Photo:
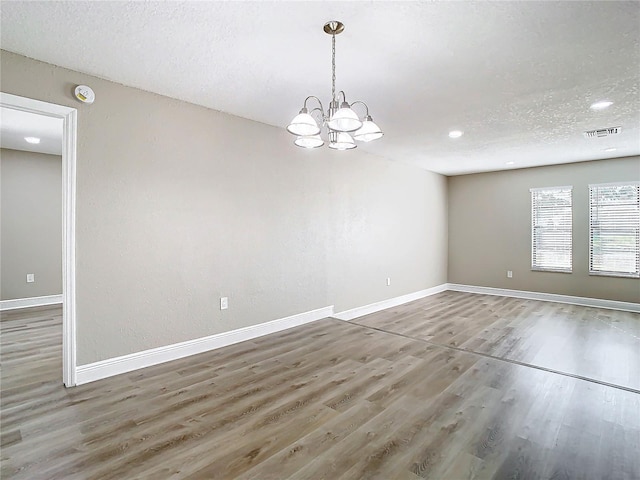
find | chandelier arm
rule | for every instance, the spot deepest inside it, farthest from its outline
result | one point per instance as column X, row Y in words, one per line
column 318, row 109
column 362, row 103
column 313, row 96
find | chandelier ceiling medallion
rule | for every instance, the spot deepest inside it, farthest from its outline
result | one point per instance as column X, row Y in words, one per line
column 342, row 124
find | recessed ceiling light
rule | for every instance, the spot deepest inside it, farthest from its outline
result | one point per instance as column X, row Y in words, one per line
column 610, row 149
column 510, row 163
column 455, row 134
column 32, row 139
column 601, row 105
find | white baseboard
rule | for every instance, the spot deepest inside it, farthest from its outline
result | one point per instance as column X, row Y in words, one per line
column 127, row 363
column 30, row 302
column 392, row 302
column 548, row 297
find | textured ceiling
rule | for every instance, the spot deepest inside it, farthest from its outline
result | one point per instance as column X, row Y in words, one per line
column 516, row 77
column 15, row 125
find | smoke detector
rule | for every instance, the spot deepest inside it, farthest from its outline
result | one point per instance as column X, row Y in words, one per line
column 603, row 132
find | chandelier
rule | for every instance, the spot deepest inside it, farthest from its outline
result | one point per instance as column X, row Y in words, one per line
column 343, row 125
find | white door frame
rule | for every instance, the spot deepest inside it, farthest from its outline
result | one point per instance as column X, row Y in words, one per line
column 69, row 132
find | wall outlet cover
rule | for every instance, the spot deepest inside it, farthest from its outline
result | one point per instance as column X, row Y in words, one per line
column 224, row 303
column 31, row 277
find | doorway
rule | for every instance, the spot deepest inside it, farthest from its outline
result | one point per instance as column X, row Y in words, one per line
column 69, row 132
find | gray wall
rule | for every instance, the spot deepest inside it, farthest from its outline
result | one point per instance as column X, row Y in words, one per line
column 31, row 224
column 178, row 205
column 490, row 229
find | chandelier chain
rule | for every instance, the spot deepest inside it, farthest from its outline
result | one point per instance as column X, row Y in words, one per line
column 333, row 66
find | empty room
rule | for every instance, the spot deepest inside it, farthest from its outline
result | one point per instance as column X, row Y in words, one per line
column 320, row 240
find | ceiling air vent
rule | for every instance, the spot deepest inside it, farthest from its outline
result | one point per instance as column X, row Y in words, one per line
column 602, row 132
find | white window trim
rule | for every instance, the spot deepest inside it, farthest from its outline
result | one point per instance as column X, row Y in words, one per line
column 604, row 273
column 559, row 187
column 535, row 268
column 614, row 184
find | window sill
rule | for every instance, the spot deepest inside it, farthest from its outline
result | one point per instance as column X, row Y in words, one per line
column 550, row 270
column 614, row 274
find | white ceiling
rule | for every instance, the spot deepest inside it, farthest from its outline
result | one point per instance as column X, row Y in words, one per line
column 15, row 125
column 517, row 77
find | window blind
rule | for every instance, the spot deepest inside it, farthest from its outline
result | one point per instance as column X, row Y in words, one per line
column 551, row 229
column 614, row 229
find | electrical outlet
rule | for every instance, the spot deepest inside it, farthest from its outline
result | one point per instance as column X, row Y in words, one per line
column 31, row 277
column 224, row 303
column 509, row 274
column 388, row 281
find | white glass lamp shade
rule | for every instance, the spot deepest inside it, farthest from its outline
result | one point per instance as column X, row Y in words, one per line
column 342, row 141
column 311, row 141
column 344, row 120
column 303, row 125
column 368, row 131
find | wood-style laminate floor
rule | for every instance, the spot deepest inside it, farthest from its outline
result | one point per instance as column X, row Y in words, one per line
column 400, row 394
column 593, row 343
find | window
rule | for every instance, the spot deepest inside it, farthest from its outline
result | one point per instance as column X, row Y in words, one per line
column 614, row 229
column 551, row 226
